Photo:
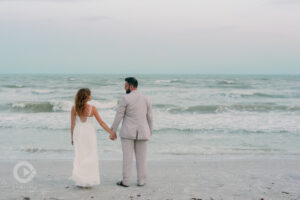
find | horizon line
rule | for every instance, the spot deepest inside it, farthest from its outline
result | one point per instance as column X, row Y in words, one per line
column 257, row 74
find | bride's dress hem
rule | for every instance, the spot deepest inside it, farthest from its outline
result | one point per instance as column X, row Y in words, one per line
column 80, row 182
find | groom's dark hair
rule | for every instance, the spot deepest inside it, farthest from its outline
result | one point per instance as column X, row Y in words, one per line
column 132, row 81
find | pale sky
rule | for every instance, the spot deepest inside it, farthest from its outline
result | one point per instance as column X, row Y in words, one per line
column 150, row 36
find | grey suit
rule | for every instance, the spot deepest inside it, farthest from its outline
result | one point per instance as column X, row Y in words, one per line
column 135, row 110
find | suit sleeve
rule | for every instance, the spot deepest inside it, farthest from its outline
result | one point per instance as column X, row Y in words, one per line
column 149, row 115
column 119, row 114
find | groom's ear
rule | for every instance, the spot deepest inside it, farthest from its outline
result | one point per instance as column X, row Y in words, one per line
column 131, row 87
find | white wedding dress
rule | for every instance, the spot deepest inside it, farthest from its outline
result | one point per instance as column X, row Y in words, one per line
column 85, row 164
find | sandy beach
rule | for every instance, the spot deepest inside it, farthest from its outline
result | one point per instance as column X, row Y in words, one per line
column 202, row 178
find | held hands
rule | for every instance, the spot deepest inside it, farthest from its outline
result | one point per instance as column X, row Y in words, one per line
column 113, row 136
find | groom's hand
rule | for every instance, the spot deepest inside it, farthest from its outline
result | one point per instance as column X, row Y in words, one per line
column 113, row 136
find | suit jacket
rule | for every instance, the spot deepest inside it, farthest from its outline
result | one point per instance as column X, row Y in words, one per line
column 135, row 110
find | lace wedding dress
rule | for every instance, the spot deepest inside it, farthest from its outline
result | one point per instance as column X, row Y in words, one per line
column 85, row 164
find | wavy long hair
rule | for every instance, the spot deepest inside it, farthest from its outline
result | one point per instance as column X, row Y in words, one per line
column 81, row 99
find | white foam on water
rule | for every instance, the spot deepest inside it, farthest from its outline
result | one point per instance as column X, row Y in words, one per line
column 42, row 91
column 163, row 81
column 18, row 105
column 61, row 105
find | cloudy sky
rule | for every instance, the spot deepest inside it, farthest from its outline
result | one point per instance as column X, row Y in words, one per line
column 150, row 36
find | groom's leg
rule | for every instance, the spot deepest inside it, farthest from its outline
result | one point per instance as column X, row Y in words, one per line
column 127, row 148
column 140, row 147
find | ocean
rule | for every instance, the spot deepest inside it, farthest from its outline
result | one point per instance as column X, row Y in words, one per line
column 194, row 115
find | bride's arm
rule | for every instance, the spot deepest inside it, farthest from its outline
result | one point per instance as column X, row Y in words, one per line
column 73, row 122
column 103, row 124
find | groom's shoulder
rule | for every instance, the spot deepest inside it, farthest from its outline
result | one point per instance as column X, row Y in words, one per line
column 145, row 97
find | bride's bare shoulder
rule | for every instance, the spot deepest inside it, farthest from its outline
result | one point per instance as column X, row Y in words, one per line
column 94, row 110
column 91, row 108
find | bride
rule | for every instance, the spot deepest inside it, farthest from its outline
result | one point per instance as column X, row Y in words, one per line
column 85, row 164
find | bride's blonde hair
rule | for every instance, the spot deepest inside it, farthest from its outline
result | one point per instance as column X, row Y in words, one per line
column 81, row 99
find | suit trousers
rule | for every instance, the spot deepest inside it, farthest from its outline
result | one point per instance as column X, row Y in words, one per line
column 140, row 148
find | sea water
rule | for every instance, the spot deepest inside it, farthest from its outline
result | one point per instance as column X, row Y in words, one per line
column 194, row 115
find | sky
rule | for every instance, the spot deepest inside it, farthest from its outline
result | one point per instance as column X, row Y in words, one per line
column 150, row 36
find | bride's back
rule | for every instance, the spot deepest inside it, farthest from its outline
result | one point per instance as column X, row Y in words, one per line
column 86, row 116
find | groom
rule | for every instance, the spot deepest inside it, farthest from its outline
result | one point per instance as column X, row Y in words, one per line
column 135, row 110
